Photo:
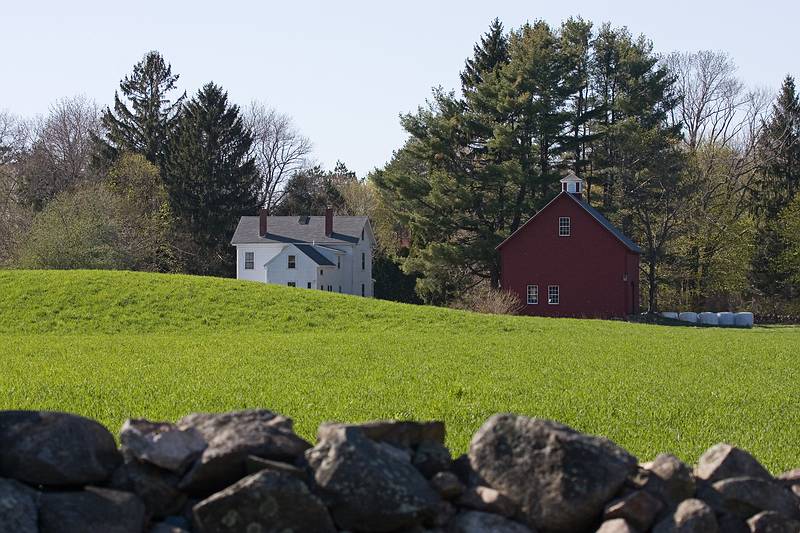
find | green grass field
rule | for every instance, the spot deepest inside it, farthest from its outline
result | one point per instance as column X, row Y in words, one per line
column 113, row 345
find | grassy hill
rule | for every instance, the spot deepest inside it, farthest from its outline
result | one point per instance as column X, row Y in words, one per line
column 113, row 345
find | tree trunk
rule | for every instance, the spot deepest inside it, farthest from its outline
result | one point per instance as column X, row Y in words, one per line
column 652, row 289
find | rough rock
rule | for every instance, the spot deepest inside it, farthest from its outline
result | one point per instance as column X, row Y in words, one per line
column 639, row 508
column 691, row 516
column 462, row 468
column 616, row 525
column 723, row 461
column 264, row 502
column 672, row 479
column 729, row 523
column 444, row 512
column 369, row 488
column 404, row 434
column 487, row 500
column 447, row 485
column 161, row 444
column 59, row 449
column 17, row 507
column 560, row 479
column 772, row 522
column 478, row 522
column 255, row 464
column 92, row 509
column 170, row 526
column 431, row 457
column 791, row 477
column 746, row 496
column 231, row 438
column 157, row 488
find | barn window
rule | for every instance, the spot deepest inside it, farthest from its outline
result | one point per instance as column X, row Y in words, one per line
column 363, row 260
column 553, row 295
column 563, row 226
column 292, row 284
column 340, row 289
column 338, row 261
column 292, row 261
column 533, row 294
column 249, row 259
column 362, row 289
column 309, row 285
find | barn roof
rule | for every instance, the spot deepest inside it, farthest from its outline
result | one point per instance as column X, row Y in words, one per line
column 597, row 215
column 300, row 229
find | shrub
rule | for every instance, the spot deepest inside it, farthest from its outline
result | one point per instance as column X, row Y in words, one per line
column 482, row 299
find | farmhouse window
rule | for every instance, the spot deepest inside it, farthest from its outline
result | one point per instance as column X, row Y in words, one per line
column 321, row 272
column 292, row 284
column 553, row 295
column 362, row 234
column 563, row 226
column 363, row 260
column 533, row 294
column 330, row 288
column 292, row 261
column 309, row 284
column 340, row 288
column 338, row 262
column 362, row 289
column 249, row 260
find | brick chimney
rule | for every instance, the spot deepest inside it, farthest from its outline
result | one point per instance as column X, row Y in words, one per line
column 328, row 221
column 262, row 223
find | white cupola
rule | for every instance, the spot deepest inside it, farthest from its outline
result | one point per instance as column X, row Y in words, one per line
column 572, row 184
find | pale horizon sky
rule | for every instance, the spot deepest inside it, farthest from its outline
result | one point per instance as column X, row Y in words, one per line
column 343, row 70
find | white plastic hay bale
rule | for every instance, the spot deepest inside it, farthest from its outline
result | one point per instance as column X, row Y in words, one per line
column 725, row 318
column 669, row 314
column 743, row 320
column 688, row 316
column 708, row 318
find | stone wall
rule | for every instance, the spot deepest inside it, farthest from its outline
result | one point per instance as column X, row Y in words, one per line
column 248, row 471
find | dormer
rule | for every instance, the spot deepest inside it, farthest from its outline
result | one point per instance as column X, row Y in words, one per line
column 572, row 184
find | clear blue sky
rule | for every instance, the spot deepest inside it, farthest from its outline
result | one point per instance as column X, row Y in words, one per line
column 343, row 70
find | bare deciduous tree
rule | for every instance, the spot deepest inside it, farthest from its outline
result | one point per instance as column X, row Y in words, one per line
column 279, row 149
column 14, row 217
column 60, row 149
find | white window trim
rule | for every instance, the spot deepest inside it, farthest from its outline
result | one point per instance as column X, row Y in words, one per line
column 558, row 294
column 534, row 293
column 561, row 226
column 291, row 265
column 251, row 261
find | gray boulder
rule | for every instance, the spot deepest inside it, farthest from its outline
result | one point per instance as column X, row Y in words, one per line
column 92, row 509
column 447, row 485
column 266, row 502
column 369, row 488
column 161, row 444
column 691, row 516
column 478, row 522
column 17, row 507
column 747, row 496
column 672, row 479
column 431, row 457
column 231, row 438
column 255, row 464
column 772, row 522
column 639, row 508
column 560, row 479
column 722, row 461
column 616, row 525
column 157, row 488
column 58, row 449
column 403, row 434
column 487, row 500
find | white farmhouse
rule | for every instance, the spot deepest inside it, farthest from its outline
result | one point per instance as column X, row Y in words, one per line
column 330, row 253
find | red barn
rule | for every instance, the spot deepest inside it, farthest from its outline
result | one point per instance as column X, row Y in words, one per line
column 569, row 260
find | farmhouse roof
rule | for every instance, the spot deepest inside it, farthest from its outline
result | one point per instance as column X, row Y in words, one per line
column 597, row 215
column 302, row 230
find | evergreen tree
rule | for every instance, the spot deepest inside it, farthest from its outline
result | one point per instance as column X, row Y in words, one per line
column 490, row 53
column 778, row 183
column 211, row 179
column 143, row 124
column 310, row 191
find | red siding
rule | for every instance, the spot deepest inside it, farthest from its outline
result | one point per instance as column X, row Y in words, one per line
column 597, row 275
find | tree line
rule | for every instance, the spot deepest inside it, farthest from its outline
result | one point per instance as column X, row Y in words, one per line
column 699, row 169
column 156, row 182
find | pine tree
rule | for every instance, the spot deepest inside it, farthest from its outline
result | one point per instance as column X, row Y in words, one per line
column 778, row 183
column 143, row 124
column 211, row 179
column 488, row 55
